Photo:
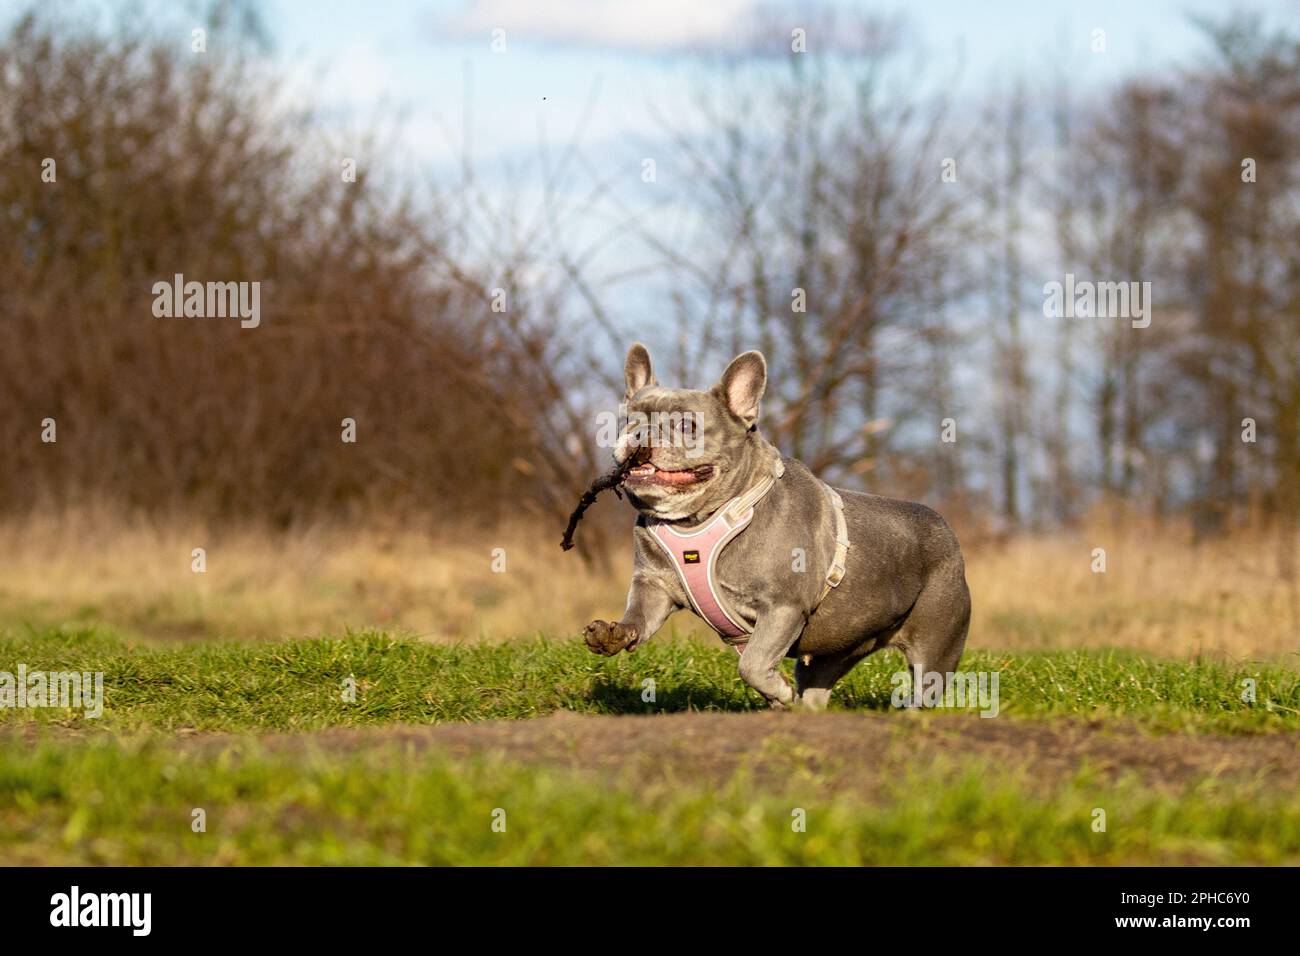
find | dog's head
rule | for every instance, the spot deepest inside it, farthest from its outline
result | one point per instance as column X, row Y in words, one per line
column 693, row 450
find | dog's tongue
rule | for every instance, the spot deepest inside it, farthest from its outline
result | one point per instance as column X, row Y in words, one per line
column 660, row 476
column 676, row 477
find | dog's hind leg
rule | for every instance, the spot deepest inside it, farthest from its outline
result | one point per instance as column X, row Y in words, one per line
column 934, row 635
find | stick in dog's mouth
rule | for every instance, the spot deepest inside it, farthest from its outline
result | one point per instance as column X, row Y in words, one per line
column 612, row 480
column 635, row 469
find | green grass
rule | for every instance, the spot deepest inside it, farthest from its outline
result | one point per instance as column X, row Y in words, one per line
column 123, row 790
column 108, row 802
column 298, row 685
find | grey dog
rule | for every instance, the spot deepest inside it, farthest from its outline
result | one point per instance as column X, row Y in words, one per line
column 903, row 581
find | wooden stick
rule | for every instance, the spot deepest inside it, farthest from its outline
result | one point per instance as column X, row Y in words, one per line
column 589, row 497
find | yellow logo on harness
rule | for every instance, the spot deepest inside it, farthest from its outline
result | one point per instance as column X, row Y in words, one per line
column 691, row 557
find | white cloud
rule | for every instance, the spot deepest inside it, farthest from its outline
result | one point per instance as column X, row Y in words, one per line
column 616, row 24
column 674, row 26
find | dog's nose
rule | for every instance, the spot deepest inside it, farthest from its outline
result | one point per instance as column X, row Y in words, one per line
column 625, row 447
column 628, row 446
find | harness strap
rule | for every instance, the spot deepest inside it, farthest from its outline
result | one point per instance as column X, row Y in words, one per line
column 839, row 563
column 738, row 506
column 694, row 554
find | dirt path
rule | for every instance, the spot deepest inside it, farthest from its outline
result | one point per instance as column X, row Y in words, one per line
column 826, row 751
column 836, row 750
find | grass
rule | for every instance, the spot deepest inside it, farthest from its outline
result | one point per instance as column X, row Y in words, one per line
column 1165, row 641
column 299, row 685
column 109, row 802
column 123, row 789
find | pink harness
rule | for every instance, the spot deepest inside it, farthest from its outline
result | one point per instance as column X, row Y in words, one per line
column 694, row 553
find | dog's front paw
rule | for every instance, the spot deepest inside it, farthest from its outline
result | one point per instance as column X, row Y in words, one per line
column 603, row 637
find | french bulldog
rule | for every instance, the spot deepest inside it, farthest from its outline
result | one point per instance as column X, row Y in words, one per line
column 904, row 581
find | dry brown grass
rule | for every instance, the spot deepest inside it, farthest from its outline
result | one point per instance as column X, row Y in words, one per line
column 1159, row 594
column 136, row 576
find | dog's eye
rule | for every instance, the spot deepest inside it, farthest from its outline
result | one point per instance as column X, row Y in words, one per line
column 688, row 427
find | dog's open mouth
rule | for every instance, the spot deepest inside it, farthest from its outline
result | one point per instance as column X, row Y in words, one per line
column 650, row 474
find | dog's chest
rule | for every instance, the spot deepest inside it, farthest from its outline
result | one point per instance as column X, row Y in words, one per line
column 695, row 557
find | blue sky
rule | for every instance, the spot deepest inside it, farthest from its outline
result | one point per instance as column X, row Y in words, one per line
column 356, row 58
column 432, row 58
column 426, row 56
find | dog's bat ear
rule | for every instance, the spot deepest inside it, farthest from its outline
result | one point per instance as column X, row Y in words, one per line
column 742, row 386
column 636, row 370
